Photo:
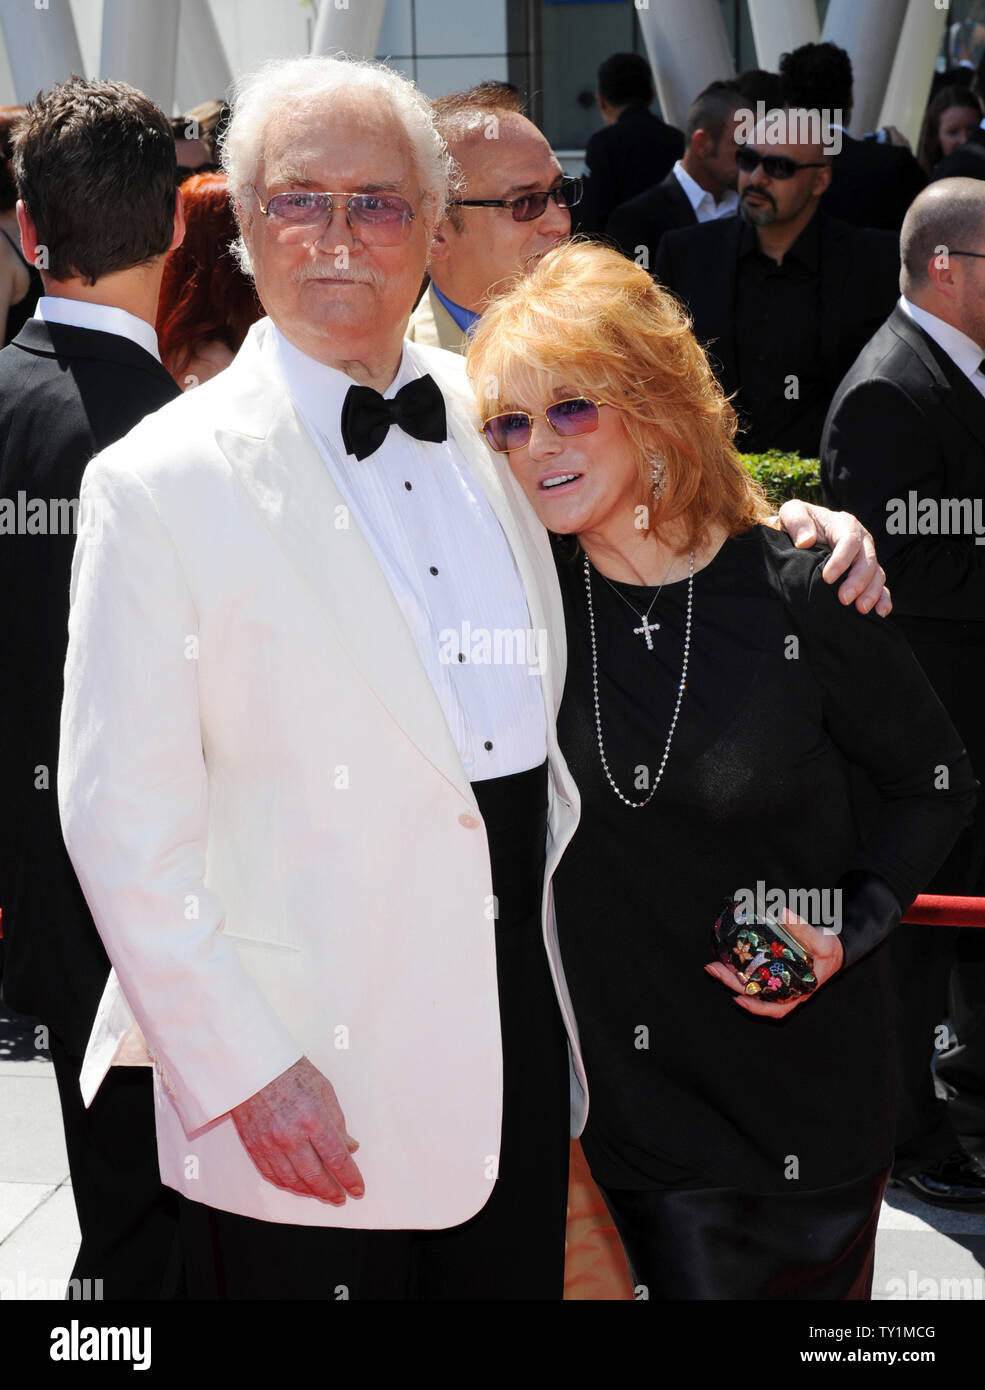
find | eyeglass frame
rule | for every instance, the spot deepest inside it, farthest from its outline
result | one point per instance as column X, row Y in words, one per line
column 324, row 193
column 568, row 181
column 979, row 255
column 760, row 163
column 542, row 415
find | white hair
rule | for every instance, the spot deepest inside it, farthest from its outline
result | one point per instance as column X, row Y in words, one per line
column 282, row 86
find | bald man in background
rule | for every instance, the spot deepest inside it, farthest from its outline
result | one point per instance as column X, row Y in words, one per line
column 482, row 243
column 906, row 433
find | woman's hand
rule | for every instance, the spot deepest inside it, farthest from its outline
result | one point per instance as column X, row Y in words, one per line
column 824, row 946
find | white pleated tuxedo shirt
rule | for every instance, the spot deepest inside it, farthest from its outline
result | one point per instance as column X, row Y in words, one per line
column 450, row 567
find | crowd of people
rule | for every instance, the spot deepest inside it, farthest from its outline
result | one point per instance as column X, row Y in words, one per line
column 371, row 913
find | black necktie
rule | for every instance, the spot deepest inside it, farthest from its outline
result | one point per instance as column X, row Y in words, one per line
column 418, row 408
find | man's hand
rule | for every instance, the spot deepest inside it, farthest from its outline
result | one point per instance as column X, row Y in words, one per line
column 295, row 1133
column 824, row 946
column 850, row 544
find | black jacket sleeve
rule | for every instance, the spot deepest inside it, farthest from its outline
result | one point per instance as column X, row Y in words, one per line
column 883, row 715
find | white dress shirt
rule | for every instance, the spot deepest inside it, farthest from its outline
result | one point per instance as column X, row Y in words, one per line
column 703, row 202
column 104, row 318
column 450, row 567
column 963, row 351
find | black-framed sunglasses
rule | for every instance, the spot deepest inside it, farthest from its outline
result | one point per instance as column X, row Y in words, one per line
column 775, row 166
column 978, row 255
column 379, row 219
column 529, row 206
column 513, row 428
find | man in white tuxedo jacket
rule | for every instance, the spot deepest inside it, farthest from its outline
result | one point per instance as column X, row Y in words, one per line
column 289, row 670
column 309, row 778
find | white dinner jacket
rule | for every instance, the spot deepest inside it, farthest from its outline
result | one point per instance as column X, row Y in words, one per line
column 268, row 815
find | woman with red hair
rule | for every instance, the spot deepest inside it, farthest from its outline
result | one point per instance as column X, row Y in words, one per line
column 207, row 304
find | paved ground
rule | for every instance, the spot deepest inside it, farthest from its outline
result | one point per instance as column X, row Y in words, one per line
column 922, row 1252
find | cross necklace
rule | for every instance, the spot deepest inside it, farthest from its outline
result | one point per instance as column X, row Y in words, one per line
column 647, row 627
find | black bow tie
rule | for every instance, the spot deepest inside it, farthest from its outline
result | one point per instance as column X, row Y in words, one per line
column 418, row 408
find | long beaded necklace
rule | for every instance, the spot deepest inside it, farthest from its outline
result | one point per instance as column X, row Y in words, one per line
column 638, row 805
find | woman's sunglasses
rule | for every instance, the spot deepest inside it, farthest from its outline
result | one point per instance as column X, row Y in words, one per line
column 775, row 166
column 512, row 430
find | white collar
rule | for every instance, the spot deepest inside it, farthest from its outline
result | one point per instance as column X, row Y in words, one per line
column 963, row 351
column 697, row 196
column 104, row 318
column 317, row 390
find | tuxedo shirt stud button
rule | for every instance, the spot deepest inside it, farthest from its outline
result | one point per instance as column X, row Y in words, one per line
column 469, row 822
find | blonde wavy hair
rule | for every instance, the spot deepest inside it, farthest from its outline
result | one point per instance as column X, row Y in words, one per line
column 588, row 320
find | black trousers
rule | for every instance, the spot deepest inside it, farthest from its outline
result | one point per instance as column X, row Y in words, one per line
column 939, row 972
column 514, row 1247
column 128, row 1219
column 719, row 1243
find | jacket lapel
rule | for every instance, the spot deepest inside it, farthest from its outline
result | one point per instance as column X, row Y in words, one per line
column 292, row 491
column 954, row 390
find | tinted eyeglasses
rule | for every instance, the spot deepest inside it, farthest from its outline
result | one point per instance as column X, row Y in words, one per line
column 512, row 430
column 528, row 207
column 379, row 219
column 775, row 166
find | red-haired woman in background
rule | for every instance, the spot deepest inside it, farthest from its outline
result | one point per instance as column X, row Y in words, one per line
column 207, row 304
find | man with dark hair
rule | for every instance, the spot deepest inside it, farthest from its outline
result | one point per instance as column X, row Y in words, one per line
column 757, row 85
column 904, row 446
column 872, row 184
column 95, row 167
column 511, row 207
column 634, row 150
column 701, row 187
column 784, row 296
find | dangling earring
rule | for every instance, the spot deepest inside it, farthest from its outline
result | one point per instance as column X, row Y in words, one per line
column 658, row 477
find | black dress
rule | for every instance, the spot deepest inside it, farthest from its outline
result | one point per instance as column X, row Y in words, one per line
column 810, row 753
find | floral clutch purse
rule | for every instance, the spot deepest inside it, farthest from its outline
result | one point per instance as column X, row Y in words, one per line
column 770, row 961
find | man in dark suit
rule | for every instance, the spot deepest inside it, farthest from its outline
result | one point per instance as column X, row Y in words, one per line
column 783, row 297
column 634, row 150
column 95, row 166
column 873, row 184
column 701, row 187
column 904, row 448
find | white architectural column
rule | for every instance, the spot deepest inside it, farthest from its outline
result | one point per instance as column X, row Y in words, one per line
column 140, row 45
column 869, row 32
column 42, row 47
column 780, row 26
column 913, row 69
column 349, row 26
column 687, row 47
column 203, row 68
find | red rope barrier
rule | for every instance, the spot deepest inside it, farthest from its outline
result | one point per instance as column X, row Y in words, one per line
column 934, row 910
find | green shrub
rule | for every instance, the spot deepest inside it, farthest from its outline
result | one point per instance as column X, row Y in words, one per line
column 783, row 476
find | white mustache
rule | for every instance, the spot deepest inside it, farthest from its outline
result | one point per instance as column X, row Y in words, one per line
column 330, row 271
